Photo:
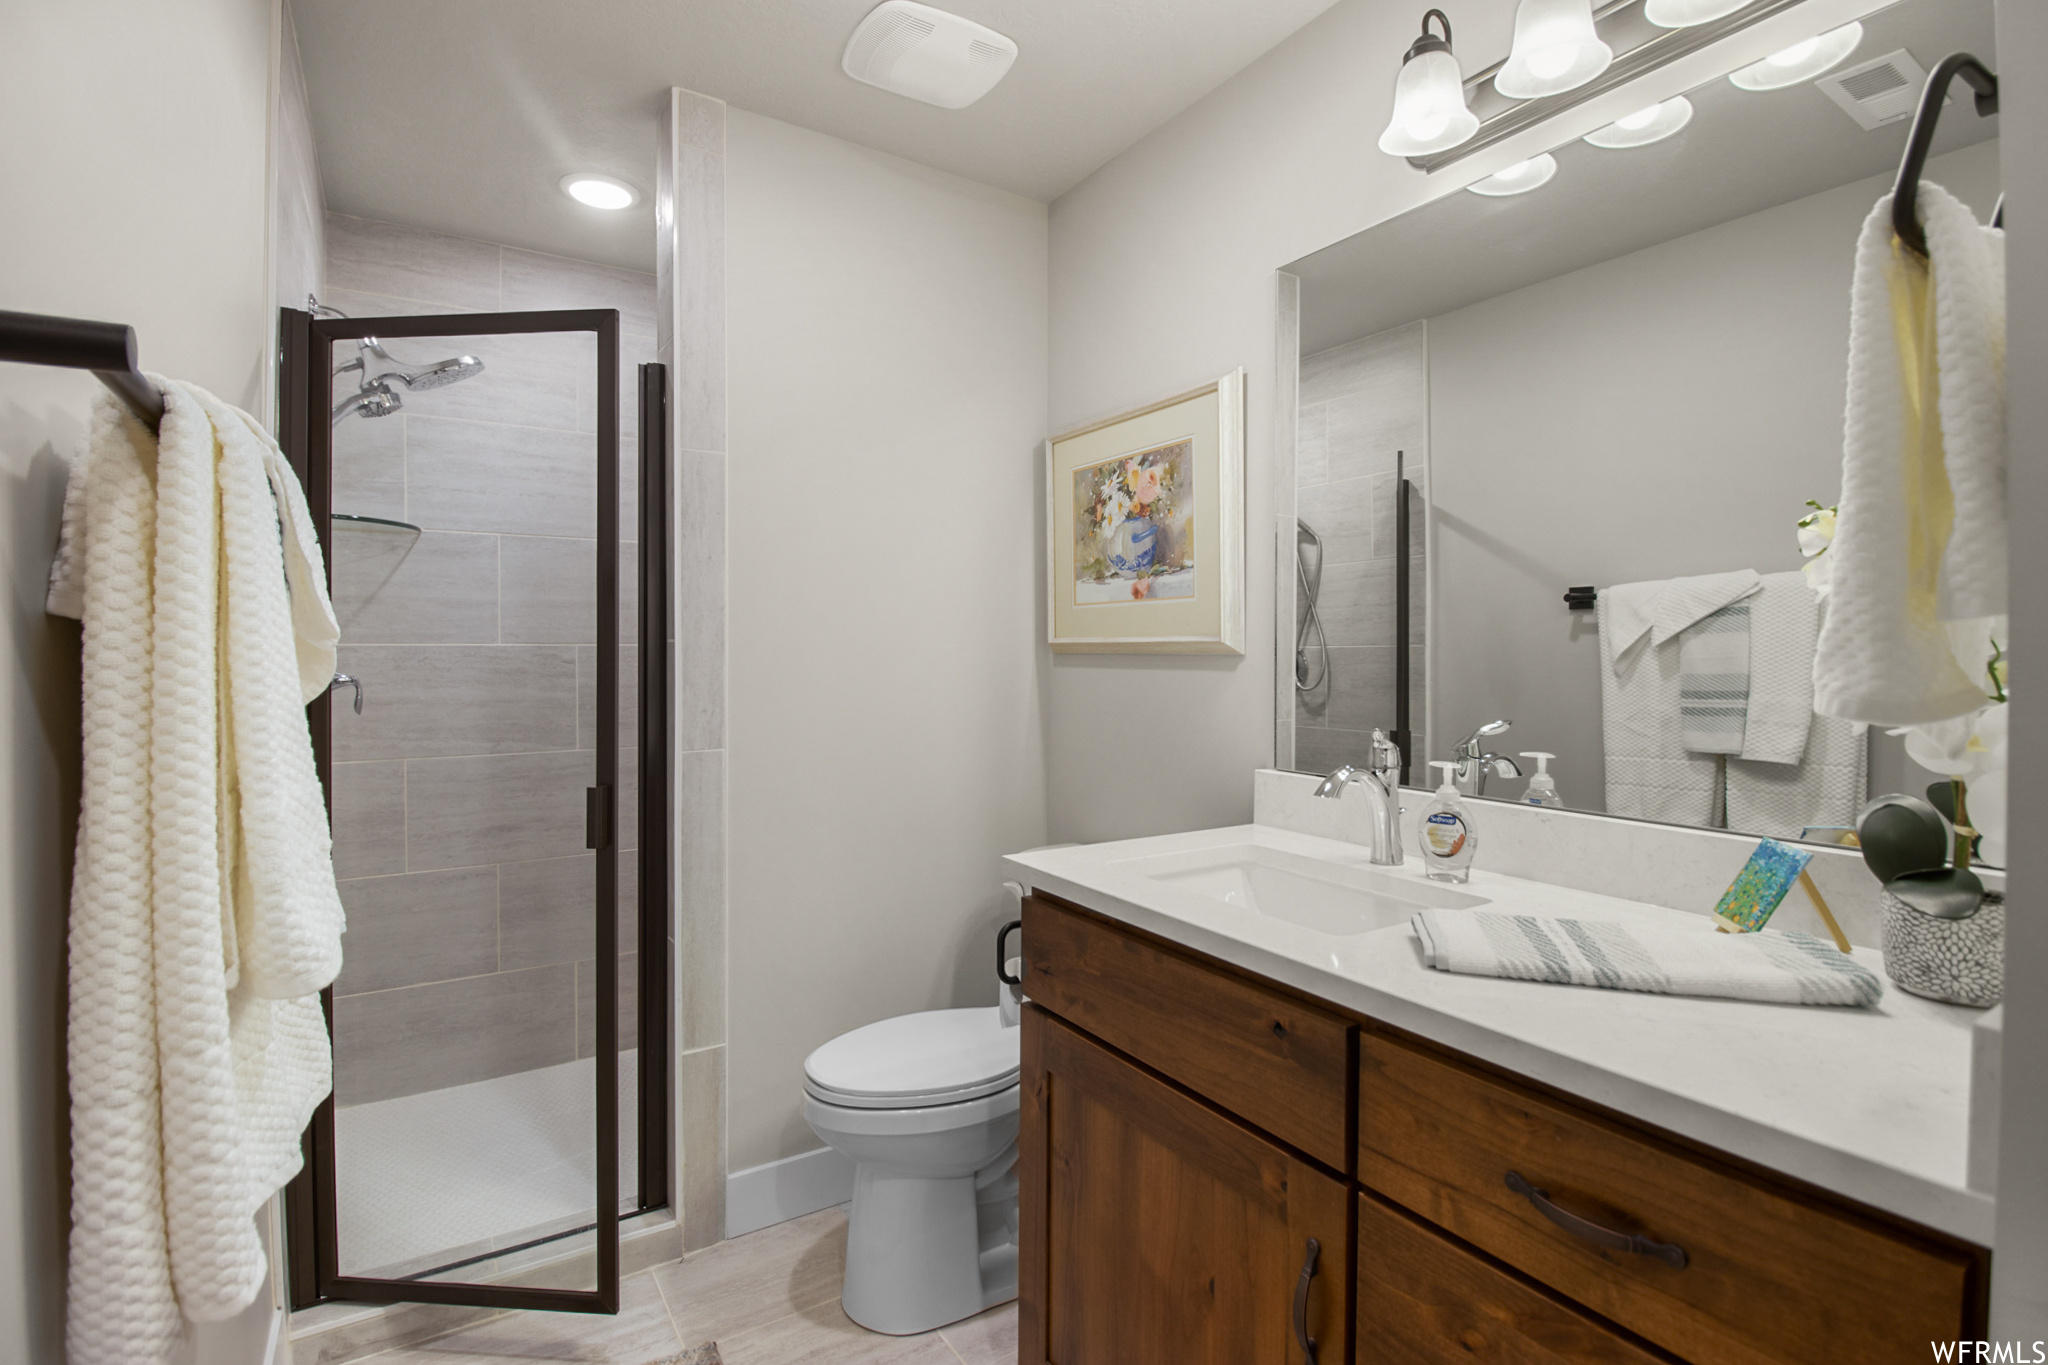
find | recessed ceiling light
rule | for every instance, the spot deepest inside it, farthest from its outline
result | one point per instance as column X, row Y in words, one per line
column 1645, row 126
column 599, row 191
column 1519, row 178
column 1801, row 61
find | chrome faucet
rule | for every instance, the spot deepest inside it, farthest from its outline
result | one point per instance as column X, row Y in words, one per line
column 1381, row 779
column 1474, row 766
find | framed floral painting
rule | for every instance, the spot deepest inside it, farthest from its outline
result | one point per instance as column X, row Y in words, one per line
column 1145, row 516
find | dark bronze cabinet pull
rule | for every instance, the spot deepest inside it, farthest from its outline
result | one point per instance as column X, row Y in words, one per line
column 1673, row 1256
column 1308, row 1275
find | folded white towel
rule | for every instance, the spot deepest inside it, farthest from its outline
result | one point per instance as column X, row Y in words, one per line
column 1784, row 622
column 1780, row 968
column 1713, row 680
column 1663, row 607
column 1826, row 787
column 1922, row 534
column 1647, row 771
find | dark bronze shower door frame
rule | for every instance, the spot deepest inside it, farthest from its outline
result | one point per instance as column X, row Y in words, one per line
column 305, row 373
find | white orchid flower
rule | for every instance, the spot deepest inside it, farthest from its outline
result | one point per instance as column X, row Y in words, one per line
column 1816, row 534
column 1817, row 530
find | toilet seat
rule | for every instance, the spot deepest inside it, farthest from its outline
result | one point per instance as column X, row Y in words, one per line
column 916, row 1061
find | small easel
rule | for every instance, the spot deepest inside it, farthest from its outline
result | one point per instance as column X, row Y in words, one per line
column 1827, row 916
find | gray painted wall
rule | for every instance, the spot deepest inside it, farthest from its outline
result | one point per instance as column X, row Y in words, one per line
column 886, row 354
column 101, row 224
column 1664, row 413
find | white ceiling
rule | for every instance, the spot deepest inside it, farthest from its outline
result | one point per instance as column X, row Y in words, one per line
column 461, row 115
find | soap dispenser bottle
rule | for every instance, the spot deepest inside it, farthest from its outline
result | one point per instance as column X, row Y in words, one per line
column 1445, row 832
column 1542, row 788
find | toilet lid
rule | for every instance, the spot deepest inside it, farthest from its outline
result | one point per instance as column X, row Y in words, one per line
column 954, row 1054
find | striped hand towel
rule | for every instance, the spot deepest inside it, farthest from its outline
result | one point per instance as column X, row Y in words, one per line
column 1780, row 968
column 1713, row 681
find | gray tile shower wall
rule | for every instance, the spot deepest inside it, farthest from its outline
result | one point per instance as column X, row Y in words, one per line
column 457, row 793
column 1362, row 404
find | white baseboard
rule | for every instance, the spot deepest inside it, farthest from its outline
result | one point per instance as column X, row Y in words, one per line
column 762, row 1196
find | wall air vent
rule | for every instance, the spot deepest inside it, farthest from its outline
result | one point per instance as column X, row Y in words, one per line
column 1877, row 92
column 927, row 54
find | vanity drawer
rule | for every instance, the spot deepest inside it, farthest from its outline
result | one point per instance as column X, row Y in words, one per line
column 1425, row 1300
column 1767, row 1275
column 1277, row 1062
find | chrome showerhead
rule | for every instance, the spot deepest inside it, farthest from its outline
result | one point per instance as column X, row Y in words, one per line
column 443, row 372
column 379, row 366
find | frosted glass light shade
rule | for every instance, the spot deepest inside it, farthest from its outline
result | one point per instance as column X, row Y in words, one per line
column 1801, row 61
column 1430, row 114
column 1645, row 126
column 1686, row 13
column 1519, row 178
column 1556, row 49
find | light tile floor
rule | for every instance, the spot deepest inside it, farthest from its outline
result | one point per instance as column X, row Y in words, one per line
column 769, row 1298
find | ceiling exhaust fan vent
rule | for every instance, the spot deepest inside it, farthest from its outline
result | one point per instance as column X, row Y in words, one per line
column 927, row 54
column 1877, row 92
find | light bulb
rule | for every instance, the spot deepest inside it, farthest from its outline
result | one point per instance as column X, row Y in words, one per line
column 1800, row 62
column 1519, row 178
column 1686, row 13
column 1547, row 64
column 599, row 191
column 1795, row 54
column 1556, row 49
column 1645, row 126
column 1430, row 114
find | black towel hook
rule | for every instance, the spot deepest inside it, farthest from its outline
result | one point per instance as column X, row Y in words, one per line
column 1906, row 193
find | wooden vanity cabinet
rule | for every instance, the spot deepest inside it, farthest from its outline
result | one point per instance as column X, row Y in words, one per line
column 1188, row 1128
column 1156, row 1231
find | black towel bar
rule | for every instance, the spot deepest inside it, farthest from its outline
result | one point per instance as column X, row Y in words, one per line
column 105, row 348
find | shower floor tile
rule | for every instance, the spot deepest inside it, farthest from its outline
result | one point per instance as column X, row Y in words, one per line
column 445, row 1175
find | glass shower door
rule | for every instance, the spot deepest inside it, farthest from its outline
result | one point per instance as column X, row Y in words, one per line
column 483, row 1135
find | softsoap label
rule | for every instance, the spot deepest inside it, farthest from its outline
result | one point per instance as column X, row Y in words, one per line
column 1443, row 834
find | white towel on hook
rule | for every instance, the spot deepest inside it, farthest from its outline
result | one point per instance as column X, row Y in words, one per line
column 204, row 915
column 1904, row 566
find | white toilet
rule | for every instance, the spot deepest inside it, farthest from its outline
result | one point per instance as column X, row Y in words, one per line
column 926, row 1106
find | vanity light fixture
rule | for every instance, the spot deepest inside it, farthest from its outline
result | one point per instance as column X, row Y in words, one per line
column 1801, row 61
column 599, row 191
column 1430, row 114
column 1519, row 178
column 1645, row 126
column 1686, row 13
column 1556, row 49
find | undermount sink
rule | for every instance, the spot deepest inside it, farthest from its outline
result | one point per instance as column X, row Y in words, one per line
column 1330, row 898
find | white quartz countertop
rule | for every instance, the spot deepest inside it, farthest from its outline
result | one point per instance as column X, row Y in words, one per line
column 1872, row 1104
